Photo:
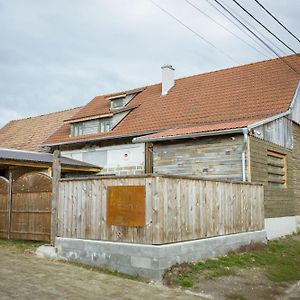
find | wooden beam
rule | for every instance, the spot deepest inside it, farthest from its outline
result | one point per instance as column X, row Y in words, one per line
column 40, row 165
column 56, row 173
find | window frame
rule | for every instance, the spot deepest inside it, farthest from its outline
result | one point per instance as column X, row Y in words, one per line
column 104, row 125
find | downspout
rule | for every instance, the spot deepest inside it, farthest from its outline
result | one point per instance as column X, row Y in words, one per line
column 245, row 142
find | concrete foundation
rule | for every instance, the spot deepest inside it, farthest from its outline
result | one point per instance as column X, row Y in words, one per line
column 150, row 261
column 277, row 227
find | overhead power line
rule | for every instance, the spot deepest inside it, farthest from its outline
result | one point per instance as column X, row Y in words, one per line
column 268, row 12
column 193, row 31
column 265, row 27
column 261, row 40
column 224, row 27
column 244, row 30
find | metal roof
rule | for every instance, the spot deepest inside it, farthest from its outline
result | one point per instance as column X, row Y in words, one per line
column 30, row 156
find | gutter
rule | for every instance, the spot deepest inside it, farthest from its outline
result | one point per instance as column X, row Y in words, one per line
column 189, row 136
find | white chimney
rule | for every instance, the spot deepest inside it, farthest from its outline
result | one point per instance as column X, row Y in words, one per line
column 167, row 79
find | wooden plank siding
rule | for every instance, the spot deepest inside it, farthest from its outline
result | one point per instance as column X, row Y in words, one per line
column 296, row 166
column 4, row 207
column 279, row 202
column 176, row 209
column 218, row 157
column 279, row 132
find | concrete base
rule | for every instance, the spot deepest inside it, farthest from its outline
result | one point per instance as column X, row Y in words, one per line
column 298, row 223
column 277, row 227
column 150, row 261
column 46, row 251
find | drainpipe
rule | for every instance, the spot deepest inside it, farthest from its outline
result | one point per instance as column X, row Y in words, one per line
column 245, row 133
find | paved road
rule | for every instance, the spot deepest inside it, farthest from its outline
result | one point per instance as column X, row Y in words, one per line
column 29, row 277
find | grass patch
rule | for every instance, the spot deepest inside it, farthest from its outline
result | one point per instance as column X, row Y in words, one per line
column 279, row 260
column 184, row 280
column 20, row 245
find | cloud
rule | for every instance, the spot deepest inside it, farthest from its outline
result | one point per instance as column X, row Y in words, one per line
column 61, row 53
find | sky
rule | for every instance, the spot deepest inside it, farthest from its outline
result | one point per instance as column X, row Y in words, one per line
column 59, row 54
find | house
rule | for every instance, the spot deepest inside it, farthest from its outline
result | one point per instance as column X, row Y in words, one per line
column 25, row 176
column 20, row 150
column 239, row 124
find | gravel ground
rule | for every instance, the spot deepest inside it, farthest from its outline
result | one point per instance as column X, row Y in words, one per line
column 25, row 276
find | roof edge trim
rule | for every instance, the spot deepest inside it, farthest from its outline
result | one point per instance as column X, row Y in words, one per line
column 192, row 135
column 297, row 91
column 100, row 138
column 268, row 120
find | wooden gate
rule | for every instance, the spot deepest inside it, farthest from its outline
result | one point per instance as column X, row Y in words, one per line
column 4, row 207
column 31, row 207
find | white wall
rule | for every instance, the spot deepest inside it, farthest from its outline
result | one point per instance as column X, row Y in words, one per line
column 113, row 159
column 277, row 227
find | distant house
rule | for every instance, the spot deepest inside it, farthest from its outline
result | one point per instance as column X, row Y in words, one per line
column 238, row 124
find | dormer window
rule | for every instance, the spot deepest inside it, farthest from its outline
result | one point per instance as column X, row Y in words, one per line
column 118, row 101
column 91, row 127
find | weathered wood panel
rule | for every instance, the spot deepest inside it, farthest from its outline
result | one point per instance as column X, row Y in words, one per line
column 279, row 202
column 210, row 157
column 4, row 207
column 296, row 166
column 31, row 207
column 279, row 132
column 176, row 209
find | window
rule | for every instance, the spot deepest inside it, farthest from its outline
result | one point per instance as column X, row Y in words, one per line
column 104, row 125
column 116, row 103
column 90, row 127
column 277, row 170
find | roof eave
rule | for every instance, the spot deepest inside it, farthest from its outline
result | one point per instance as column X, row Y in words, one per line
column 99, row 139
column 268, row 120
column 193, row 135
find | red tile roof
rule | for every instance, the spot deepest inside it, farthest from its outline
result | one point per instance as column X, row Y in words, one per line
column 254, row 91
column 188, row 131
column 28, row 134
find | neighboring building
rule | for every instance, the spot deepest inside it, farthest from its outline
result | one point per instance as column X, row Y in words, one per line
column 20, row 147
column 29, row 134
column 240, row 123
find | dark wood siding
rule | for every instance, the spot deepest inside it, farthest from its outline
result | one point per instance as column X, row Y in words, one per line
column 218, row 157
column 279, row 202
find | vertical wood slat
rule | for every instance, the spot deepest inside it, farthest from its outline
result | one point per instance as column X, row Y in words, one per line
column 176, row 209
column 4, row 207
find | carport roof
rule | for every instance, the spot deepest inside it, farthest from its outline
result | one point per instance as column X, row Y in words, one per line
column 44, row 158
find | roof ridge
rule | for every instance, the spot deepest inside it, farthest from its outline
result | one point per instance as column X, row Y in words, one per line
column 42, row 115
column 239, row 66
column 198, row 74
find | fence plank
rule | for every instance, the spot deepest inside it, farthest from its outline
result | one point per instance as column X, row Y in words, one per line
column 176, row 209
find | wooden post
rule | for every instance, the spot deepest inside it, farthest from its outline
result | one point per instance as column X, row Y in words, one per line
column 10, row 176
column 56, row 173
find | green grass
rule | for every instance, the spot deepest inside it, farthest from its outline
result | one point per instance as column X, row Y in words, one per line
column 279, row 260
column 184, row 280
column 19, row 245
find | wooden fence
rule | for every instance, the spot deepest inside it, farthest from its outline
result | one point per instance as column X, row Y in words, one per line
column 25, row 207
column 176, row 209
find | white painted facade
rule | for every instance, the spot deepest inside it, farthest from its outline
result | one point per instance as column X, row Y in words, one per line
column 277, row 227
column 120, row 159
